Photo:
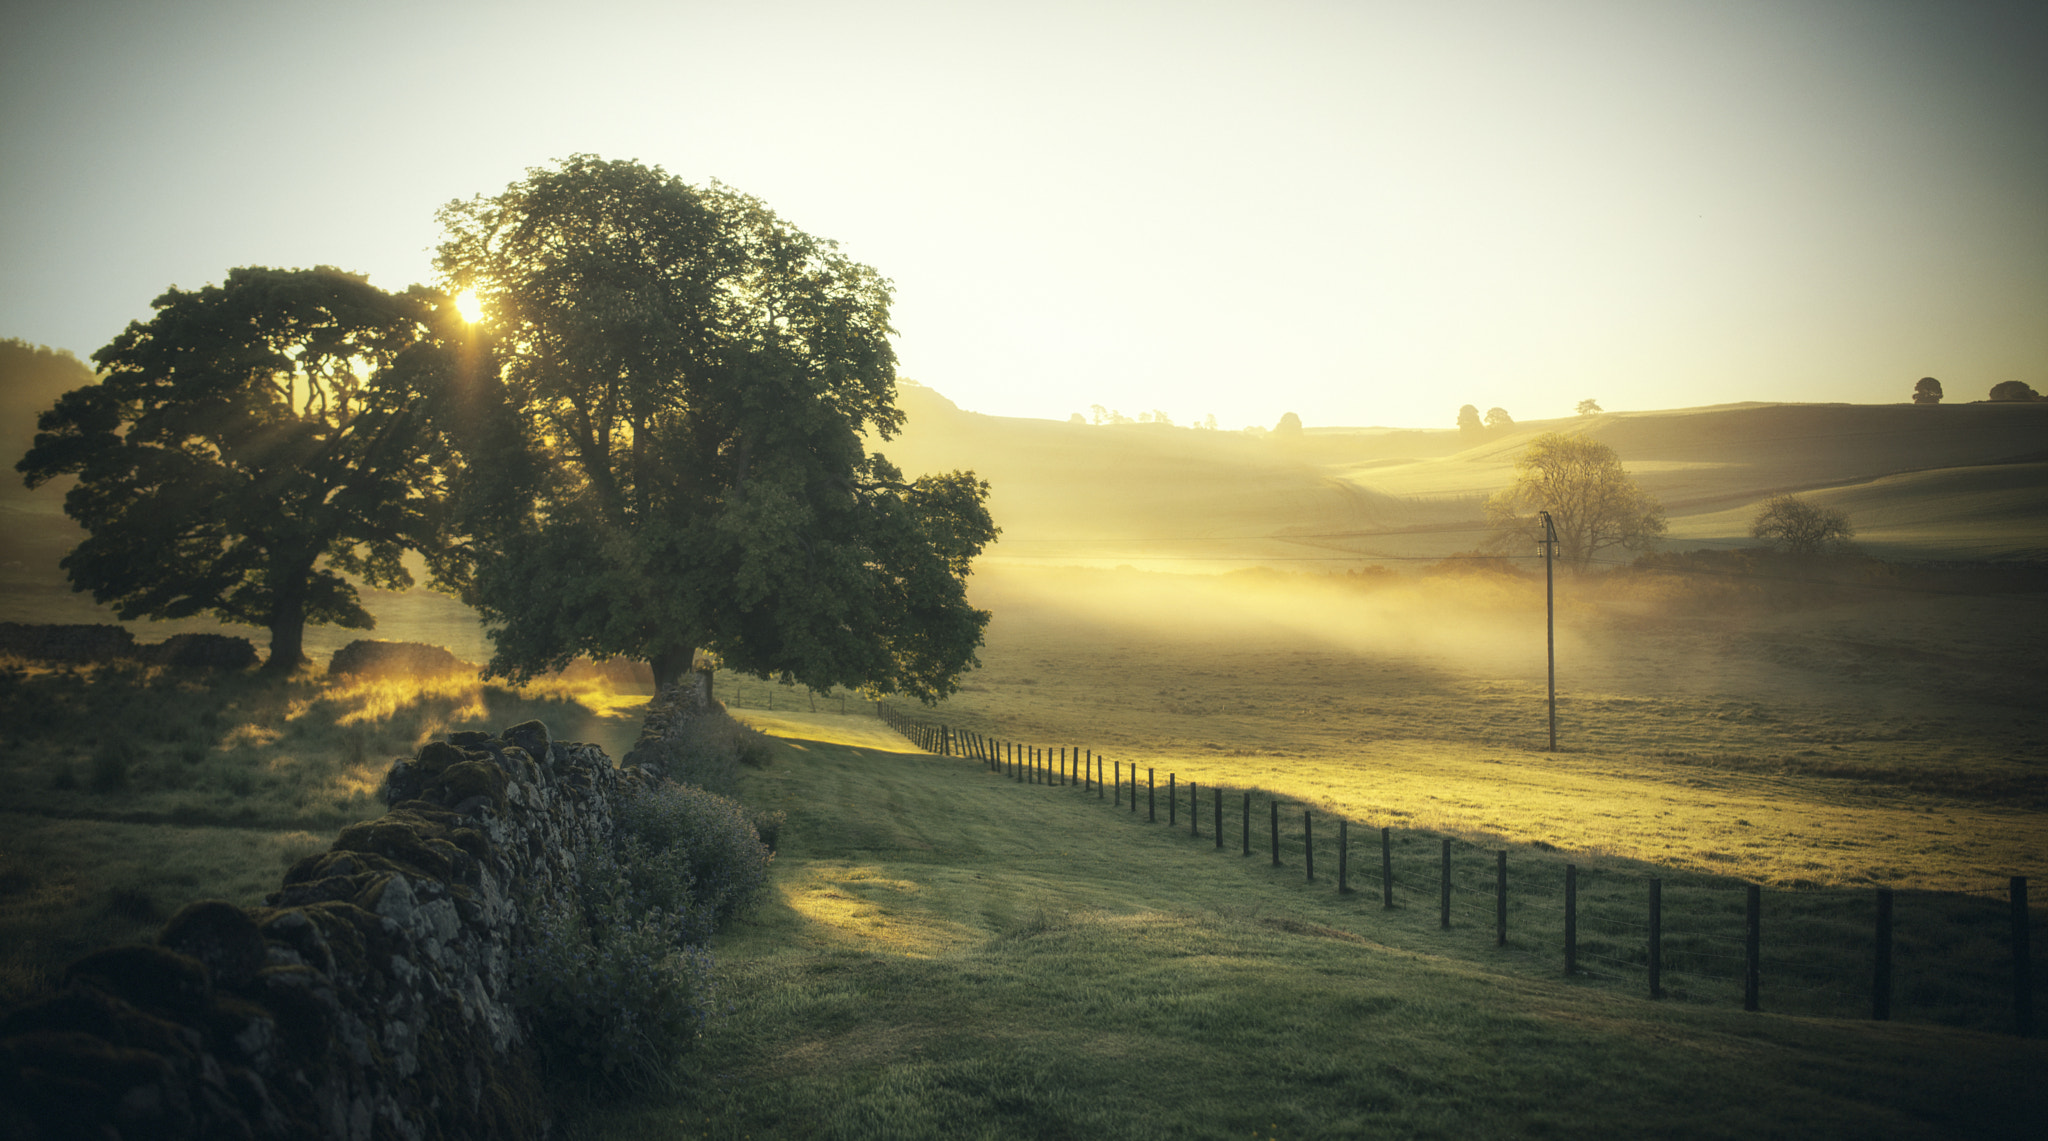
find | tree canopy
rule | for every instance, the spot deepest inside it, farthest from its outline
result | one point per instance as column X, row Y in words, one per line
column 700, row 378
column 1802, row 528
column 1588, row 407
column 255, row 442
column 2013, row 390
column 1469, row 422
column 1499, row 420
column 1591, row 500
column 1927, row 391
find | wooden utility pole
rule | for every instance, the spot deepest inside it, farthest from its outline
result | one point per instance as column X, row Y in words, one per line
column 1550, row 618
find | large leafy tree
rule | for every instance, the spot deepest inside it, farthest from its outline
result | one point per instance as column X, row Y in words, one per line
column 1591, row 500
column 701, row 378
column 256, row 443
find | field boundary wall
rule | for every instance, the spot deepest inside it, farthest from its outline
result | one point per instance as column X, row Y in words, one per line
column 371, row 997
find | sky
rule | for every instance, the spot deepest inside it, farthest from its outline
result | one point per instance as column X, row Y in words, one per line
column 1366, row 213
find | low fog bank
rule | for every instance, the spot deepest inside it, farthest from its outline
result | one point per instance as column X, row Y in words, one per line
column 1482, row 623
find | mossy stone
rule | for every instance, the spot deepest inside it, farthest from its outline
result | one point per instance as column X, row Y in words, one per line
column 467, row 779
column 220, row 935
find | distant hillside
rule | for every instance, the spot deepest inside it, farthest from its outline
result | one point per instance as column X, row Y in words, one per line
column 1978, row 488
column 31, row 379
column 1133, row 491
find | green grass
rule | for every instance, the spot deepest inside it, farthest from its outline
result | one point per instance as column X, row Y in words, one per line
column 953, row 954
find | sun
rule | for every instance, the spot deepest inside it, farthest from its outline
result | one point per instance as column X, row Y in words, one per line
column 469, row 305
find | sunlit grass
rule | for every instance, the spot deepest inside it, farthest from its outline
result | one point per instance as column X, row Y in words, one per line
column 951, row 954
column 1853, row 738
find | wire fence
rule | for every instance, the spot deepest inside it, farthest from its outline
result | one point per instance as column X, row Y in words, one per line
column 1955, row 958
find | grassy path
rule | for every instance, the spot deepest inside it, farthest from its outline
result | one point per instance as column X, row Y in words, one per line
column 949, row 954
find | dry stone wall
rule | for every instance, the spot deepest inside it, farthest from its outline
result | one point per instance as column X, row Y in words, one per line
column 108, row 643
column 370, row 999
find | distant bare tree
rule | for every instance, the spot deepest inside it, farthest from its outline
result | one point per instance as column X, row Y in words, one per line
column 1160, row 417
column 1593, row 502
column 1100, row 413
column 1927, row 391
column 1793, row 524
column 1588, row 406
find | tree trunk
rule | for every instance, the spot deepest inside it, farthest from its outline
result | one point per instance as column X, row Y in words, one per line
column 287, row 630
column 671, row 666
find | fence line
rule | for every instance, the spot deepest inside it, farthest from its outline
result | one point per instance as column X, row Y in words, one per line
column 1671, row 932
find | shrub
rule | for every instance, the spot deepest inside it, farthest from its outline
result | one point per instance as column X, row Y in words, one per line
column 707, row 749
column 690, row 832
column 613, row 997
column 1800, row 527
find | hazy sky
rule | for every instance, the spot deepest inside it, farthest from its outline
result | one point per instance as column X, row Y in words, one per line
column 1366, row 213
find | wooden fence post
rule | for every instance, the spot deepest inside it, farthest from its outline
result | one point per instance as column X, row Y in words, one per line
column 1571, row 920
column 1117, row 770
column 1752, row 947
column 1308, row 846
column 2022, row 961
column 1216, row 800
column 1275, row 805
column 1151, row 795
column 1172, row 800
column 1656, row 938
column 1444, row 901
column 1194, row 808
column 1881, row 972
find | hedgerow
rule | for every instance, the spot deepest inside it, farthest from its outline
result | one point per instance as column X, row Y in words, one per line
column 617, row 981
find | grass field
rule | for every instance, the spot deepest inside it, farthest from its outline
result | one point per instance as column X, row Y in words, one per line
column 953, row 954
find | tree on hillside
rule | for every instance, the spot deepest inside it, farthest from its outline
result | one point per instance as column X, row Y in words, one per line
column 1801, row 528
column 2006, row 390
column 1499, row 420
column 1591, row 500
column 1588, row 407
column 255, row 442
column 700, row 375
column 1289, row 425
column 1469, row 424
column 1927, row 391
